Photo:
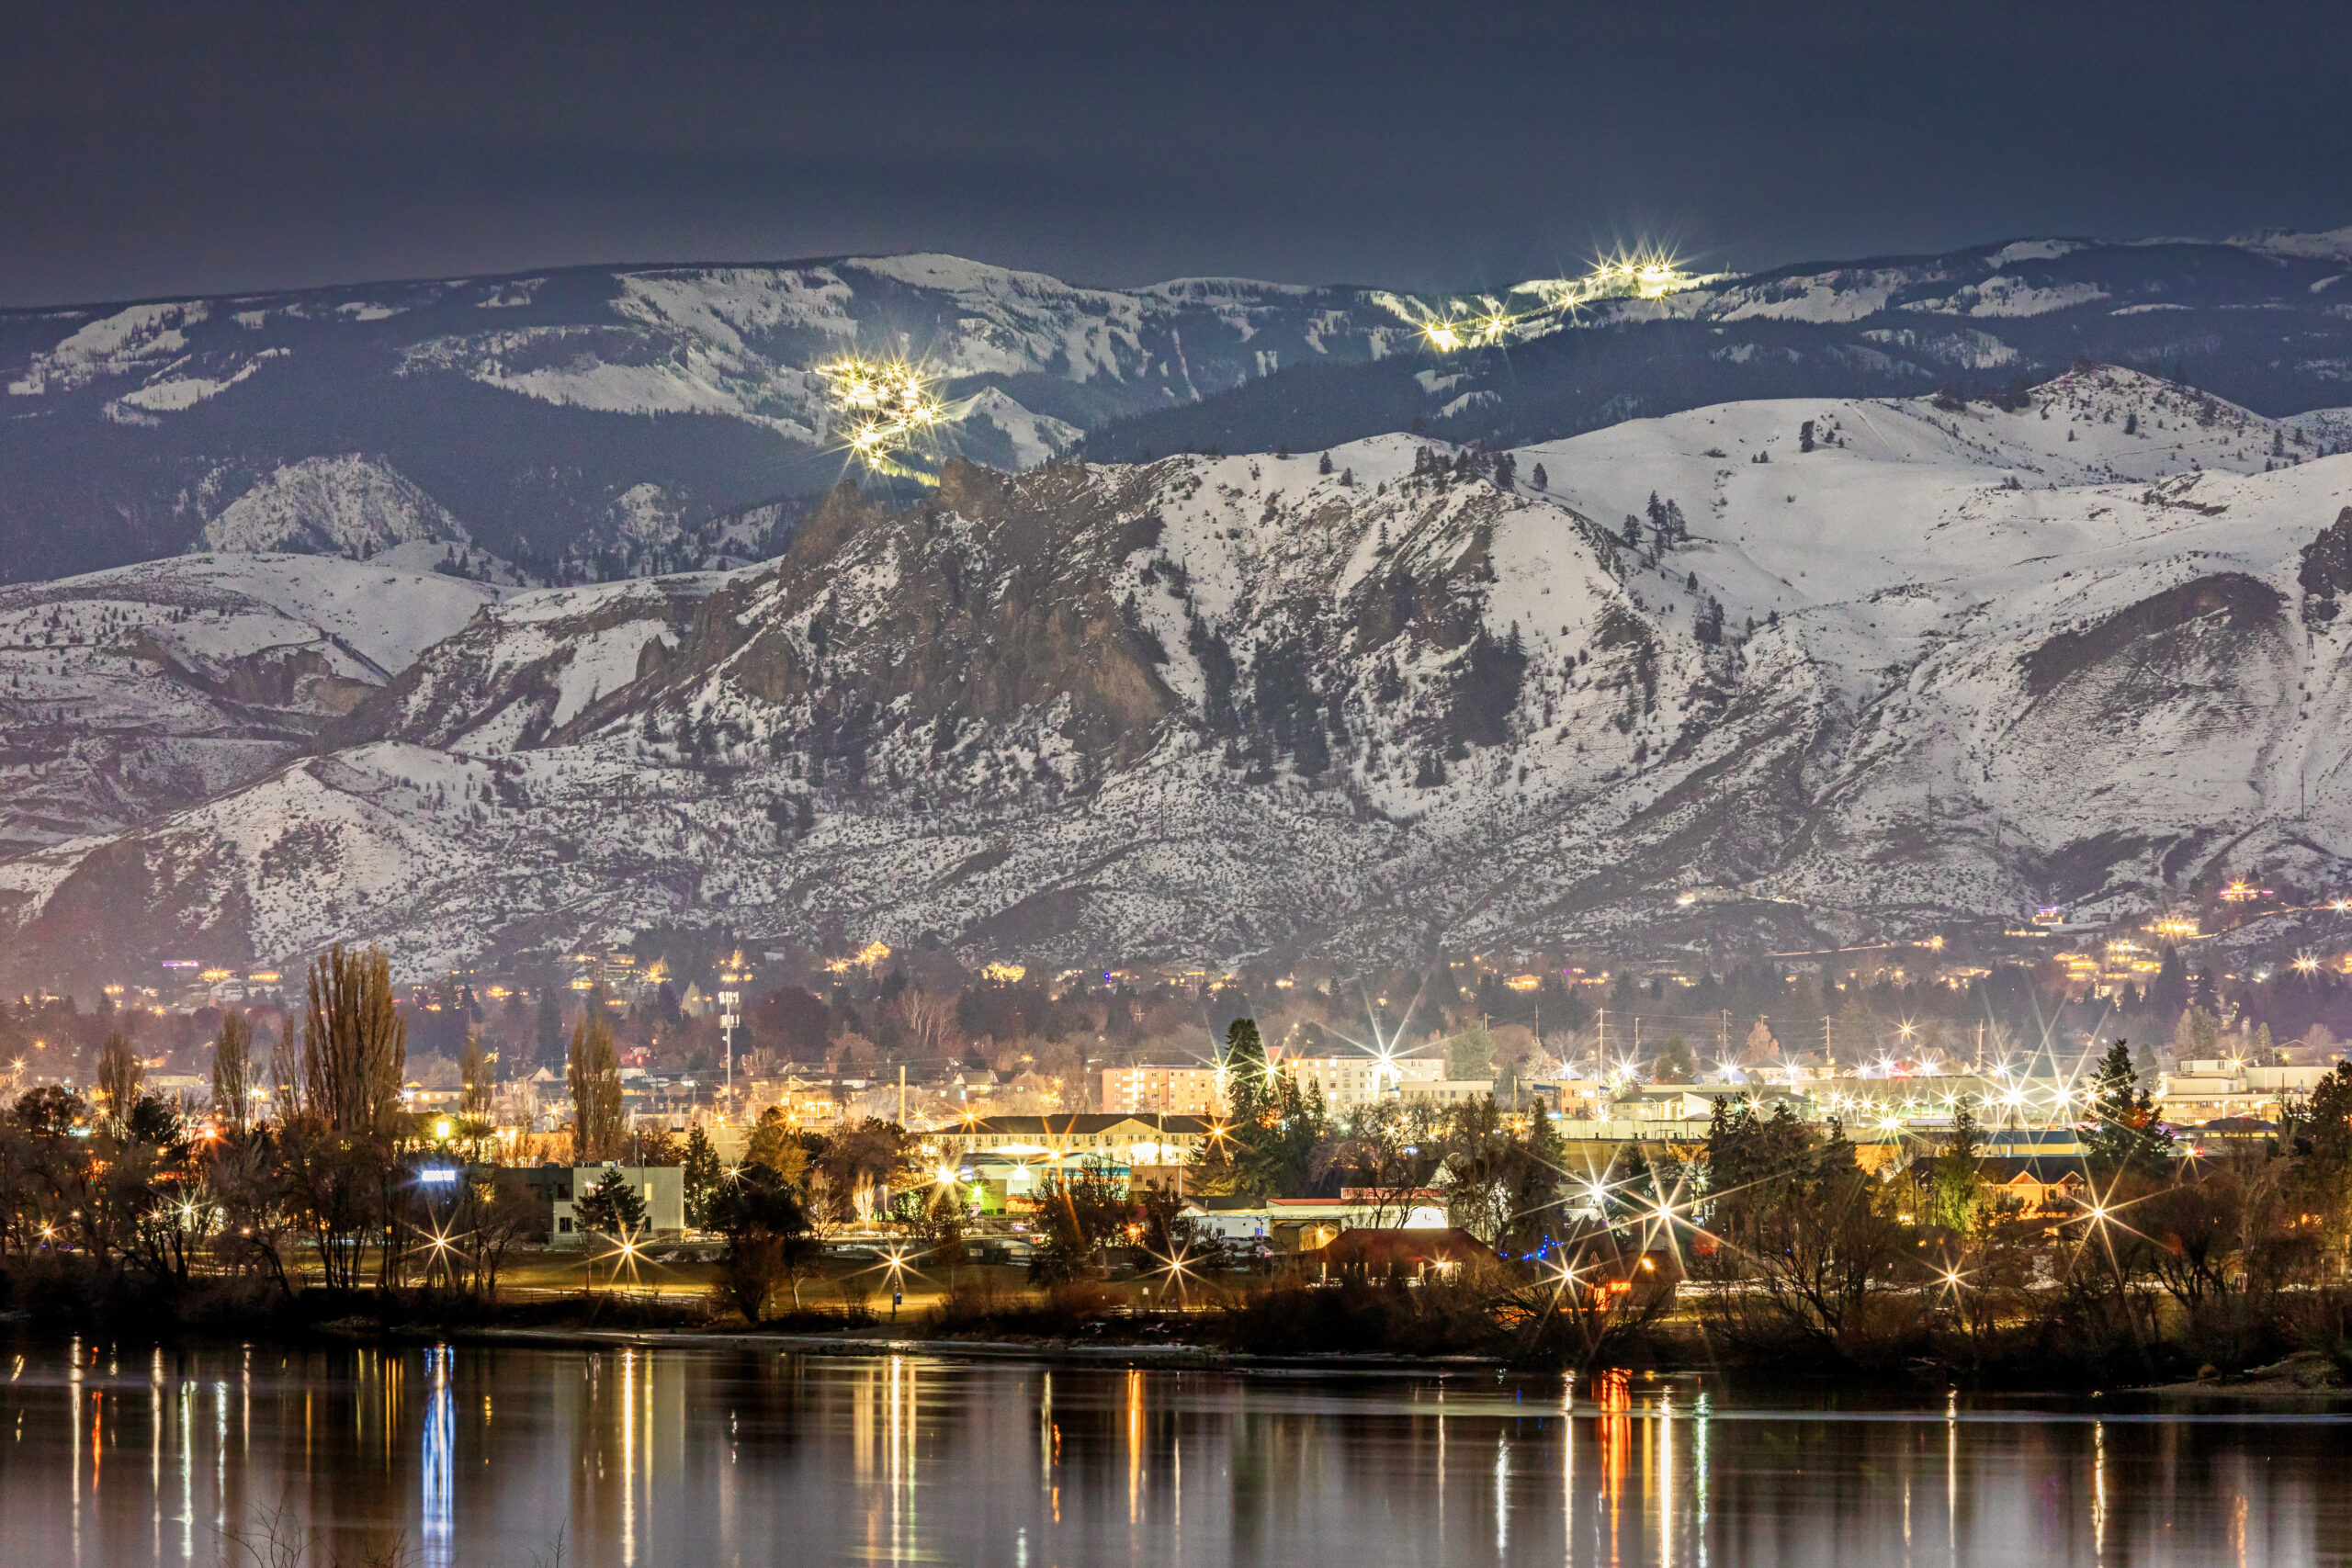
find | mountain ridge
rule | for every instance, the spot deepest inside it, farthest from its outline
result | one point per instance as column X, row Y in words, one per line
column 1820, row 658
column 594, row 422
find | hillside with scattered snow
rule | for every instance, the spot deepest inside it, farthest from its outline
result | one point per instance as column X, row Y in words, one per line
column 127, row 695
column 1857, row 665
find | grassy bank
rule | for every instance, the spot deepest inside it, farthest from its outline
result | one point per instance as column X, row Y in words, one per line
column 2046, row 1340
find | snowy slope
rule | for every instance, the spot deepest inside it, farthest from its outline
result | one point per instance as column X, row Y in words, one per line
column 346, row 505
column 1949, row 664
column 129, row 693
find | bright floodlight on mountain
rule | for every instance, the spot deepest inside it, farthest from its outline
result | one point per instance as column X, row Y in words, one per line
column 1645, row 273
column 885, row 406
column 1448, row 333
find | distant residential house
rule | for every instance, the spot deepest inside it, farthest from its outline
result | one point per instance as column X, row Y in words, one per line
column 2229, row 1134
column 2036, row 1184
column 1397, row 1253
column 1302, row 1225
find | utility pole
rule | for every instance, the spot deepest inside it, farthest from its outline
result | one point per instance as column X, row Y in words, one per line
column 902, row 1096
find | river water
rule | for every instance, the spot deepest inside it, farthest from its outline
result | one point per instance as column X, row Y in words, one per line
column 117, row 1456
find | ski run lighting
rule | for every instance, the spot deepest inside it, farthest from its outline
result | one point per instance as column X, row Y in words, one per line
column 883, row 405
column 1637, row 274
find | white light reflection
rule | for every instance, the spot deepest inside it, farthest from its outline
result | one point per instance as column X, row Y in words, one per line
column 1568, row 1461
column 1666, row 1481
column 2098, row 1487
column 73, row 1434
column 629, row 1459
column 1951, row 1476
column 439, row 1459
column 1502, row 1495
column 188, row 1470
column 1699, row 1477
column 156, row 1447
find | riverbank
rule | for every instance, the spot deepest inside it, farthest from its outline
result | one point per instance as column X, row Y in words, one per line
column 1171, row 1355
column 989, row 1313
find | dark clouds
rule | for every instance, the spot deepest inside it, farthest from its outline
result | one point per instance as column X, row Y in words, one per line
column 200, row 147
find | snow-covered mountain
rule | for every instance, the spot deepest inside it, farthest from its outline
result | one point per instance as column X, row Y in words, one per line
column 591, row 420
column 1857, row 665
column 594, row 422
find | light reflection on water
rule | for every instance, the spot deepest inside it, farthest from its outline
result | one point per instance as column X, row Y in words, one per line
column 631, row 1457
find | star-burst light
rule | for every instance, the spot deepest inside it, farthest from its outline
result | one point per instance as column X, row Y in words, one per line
column 1178, row 1269
column 885, row 404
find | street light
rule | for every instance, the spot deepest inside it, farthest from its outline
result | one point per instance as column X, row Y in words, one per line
column 729, row 1020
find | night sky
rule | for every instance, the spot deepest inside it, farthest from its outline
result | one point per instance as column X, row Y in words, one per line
column 200, row 147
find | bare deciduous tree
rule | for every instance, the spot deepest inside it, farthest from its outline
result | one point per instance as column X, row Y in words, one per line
column 119, row 1074
column 930, row 1025
column 355, row 1043
column 232, row 1071
column 595, row 1081
column 473, row 1070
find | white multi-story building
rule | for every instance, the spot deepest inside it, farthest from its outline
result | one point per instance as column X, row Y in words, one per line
column 1351, row 1081
column 1191, row 1089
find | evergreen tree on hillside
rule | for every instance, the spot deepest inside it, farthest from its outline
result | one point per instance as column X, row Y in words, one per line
column 2168, row 992
column 1470, row 1055
column 547, row 1030
column 2124, row 1131
column 612, row 1207
column 1956, row 1191
column 701, row 1177
column 1675, row 1063
column 1248, row 1088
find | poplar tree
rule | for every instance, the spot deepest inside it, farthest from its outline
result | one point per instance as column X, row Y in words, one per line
column 473, row 1070
column 232, row 1071
column 595, row 1081
column 547, row 1029
column 119, row 1073
column 355, row 1043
